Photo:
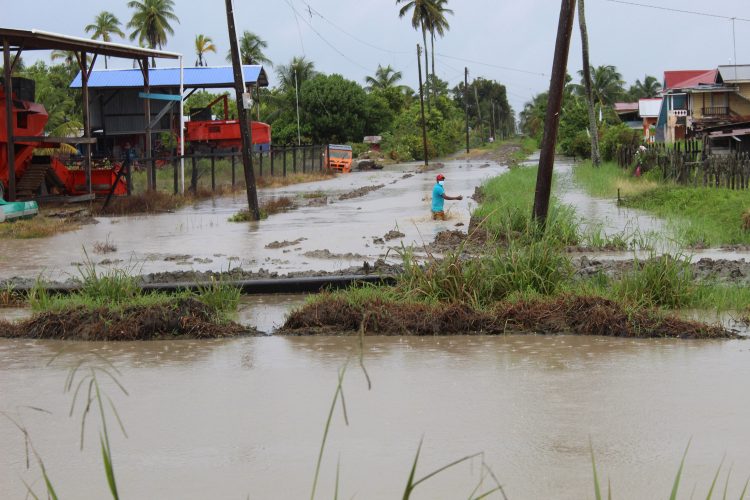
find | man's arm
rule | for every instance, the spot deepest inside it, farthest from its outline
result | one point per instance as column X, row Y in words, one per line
column 453, row 198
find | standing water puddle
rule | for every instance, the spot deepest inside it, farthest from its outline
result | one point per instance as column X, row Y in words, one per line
column 232, row 418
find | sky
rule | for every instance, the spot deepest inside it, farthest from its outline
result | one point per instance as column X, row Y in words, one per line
column 510, row 41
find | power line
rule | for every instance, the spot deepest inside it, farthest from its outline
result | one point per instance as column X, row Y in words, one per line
column 507, row 68
column 312, row 10
column 297, row 14
column 682, row 11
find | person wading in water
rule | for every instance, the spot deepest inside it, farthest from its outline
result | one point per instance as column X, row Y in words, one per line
column 439, row 197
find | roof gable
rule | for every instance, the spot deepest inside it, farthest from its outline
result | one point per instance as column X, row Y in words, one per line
column 688, row 78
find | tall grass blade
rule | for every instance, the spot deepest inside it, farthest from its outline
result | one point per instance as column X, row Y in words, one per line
column 597, row 489
column 716, row 477
column 744, row 490
column 336, row 394
column 675, row 487
column 338, row 470
column 108, row 469
column 410, row 481
column 726, row 484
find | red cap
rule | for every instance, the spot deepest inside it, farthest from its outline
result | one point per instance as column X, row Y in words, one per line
column 440, row 177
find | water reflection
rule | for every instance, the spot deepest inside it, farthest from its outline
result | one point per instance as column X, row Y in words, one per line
column 226, row 418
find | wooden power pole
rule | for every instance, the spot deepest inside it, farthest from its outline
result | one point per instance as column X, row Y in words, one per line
column 552, row 117
column 466, row 105
column 247, row 143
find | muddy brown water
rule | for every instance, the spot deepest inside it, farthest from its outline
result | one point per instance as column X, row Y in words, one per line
column 227, row 419
column 200, row 237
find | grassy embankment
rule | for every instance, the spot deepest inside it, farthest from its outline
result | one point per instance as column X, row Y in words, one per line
column 523, row 281
column 698, row 216
column 113, row 306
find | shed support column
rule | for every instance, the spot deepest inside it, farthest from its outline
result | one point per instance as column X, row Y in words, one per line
column 9, row 122
column 147, row 113
column 83, row 63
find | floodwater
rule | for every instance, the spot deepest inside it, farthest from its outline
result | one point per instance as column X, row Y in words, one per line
column 201, row 238
column 245, row 417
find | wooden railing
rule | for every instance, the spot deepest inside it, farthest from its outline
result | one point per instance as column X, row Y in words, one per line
column 716, row 111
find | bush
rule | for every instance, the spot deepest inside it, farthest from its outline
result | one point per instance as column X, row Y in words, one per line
column 615, row 136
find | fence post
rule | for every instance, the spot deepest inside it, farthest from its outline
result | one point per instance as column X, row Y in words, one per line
column 283, row 154
column 194, row 174
column 260, row 162
column 303, row 158
column 294, row 158
column 213, row 169
column 234, row 162
column 270, row 156
column 174, row 174
column 320, row 156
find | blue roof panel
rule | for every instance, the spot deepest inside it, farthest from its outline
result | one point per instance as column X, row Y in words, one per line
column 222, row 76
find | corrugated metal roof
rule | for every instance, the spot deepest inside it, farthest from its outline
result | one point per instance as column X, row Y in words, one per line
column 688, row 78
column 203, row 77
column 45, row 40
column 649, row 108
column 626, row 107
column 728, row 73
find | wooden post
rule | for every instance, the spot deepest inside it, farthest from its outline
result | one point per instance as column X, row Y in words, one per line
column 283, row 152
column 234, row 162
column 466, row 105
column 9, row 122
column 303, row 158
column 147, row 116
column 194, row 174
column 260, row 162
column 552, row 118
column 83, row 64
column 247, row 143
column 294, row 159
column 175, row 176
column 213, row 169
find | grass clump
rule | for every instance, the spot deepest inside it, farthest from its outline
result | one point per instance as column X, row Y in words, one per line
column 507, row 205
column 38, row 227
column 269, row 207
column 660, row 281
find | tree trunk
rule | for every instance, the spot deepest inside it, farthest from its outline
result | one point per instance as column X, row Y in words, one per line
column 432, row 55
column 426, row 64
column 595, row 158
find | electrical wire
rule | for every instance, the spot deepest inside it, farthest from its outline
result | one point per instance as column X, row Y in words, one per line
column 507, row 68
column 682, row 11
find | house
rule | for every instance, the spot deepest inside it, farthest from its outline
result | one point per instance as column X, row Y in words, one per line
column 682, row 91
column 648, row 110
column 698, row 102
column 628, row 114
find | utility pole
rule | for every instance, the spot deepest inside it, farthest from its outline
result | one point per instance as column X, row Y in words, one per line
column 421, row 104
column 296, row 93
column 479, row 114
column 466, row 105
column 247, row 143
column 493, row 130
column 552, row 118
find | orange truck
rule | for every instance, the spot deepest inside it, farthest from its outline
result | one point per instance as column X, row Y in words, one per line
column 339, row 157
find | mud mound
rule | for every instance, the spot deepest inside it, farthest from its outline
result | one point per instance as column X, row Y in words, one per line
column 357, row 193
column 327, row 254
column 183, row 318
column 393, row 235
column 285, row 243
column 564, row 315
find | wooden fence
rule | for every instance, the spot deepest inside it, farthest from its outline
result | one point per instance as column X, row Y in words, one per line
column 688, row 164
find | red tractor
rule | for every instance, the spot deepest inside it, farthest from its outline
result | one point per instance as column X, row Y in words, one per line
column 38, row 175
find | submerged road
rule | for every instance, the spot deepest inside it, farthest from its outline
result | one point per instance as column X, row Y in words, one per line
column 200, row 237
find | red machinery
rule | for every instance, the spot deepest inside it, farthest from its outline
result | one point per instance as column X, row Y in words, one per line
column 202, row 131
column 43, row 174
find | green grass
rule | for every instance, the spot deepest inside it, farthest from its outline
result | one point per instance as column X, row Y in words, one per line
column 118, row 289
column 507, row 205
column 698, row 216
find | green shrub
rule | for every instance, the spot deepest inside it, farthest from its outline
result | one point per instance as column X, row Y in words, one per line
column 616, row 136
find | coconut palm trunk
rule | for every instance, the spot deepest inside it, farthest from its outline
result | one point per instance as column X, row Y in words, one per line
column 595, row 158
column 426, row 64
column 432, row 55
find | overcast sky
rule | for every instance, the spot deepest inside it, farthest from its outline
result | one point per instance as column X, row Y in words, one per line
column 511, row 41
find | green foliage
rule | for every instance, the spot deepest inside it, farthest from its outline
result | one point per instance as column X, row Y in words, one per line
column 53, row 91
column 336, row 109
column 615, row 136
column 660, row 281
column 201, row 98
column 574, row 123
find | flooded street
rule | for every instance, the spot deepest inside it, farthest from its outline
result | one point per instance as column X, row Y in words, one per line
column 530, row 403
column 201, row 238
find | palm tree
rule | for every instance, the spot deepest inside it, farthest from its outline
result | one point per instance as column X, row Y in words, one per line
column 150, row 22
column 594, row 132
column 385, row 78
column 650, row 87
column 606, row 84
column 299, row 68
column 251, row 49
column 68, row 57
column 422, row 12
column 437, row 24
column 203, row 44
column 104, row 25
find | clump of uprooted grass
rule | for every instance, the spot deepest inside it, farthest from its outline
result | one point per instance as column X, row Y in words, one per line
column 563, row 314
column 10, row 297
column 269, row 207
column 143, row 203
column 38, row 227
column 113, row 306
